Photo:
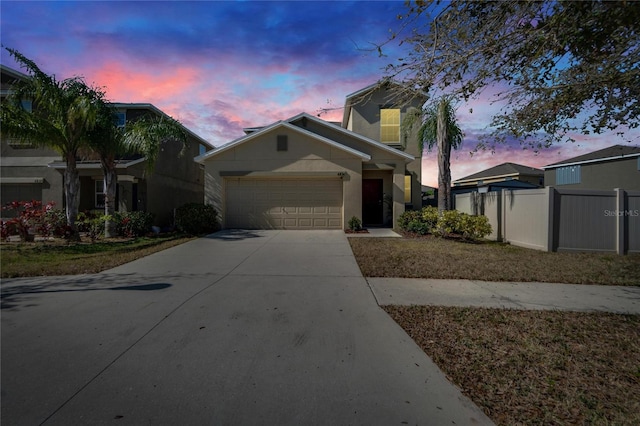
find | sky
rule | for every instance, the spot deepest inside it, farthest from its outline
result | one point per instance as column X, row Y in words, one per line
column 220, row 66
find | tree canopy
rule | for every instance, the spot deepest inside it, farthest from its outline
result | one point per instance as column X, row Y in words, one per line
column 560, row 67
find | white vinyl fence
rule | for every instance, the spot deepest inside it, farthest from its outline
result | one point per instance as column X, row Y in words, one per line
column 552, row 219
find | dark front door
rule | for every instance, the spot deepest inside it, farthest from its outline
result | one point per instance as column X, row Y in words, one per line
column 372, row 201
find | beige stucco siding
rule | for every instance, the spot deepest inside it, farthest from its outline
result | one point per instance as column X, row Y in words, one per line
column 305, row 158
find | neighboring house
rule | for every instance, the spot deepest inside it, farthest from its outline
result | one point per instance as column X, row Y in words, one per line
column 615, row 167
column 307, row 173
column 502, row 176
column 33, row 173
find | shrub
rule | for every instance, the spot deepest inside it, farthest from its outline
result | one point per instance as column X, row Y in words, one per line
column 28, row 221
column 406, row 218
column 419, row 221
column 133, row 224
column 197, row 219
column 55, row 224
column 355, row 224
column 448, row 223
column 474, row 227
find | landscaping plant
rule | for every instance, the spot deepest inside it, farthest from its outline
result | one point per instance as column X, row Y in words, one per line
column 197, row 219
column 355, row 224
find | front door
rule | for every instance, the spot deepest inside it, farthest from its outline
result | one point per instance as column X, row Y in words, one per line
column 372, row 205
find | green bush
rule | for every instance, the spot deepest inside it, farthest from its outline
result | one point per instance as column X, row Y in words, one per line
column 197, row 219
column 355, row 224
column 408, row 217
column 474, row 227
column 419, row 221
column 55, row 224
column 449, row 223
column 133, row 224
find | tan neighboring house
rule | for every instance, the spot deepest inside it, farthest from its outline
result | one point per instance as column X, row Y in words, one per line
column 307, row 173
column 29, row 172
column 502, row 176
column 615, row 167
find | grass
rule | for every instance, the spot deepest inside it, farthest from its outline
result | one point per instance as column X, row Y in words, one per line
column 60, row 258
column 534, row 367
column 489, row 261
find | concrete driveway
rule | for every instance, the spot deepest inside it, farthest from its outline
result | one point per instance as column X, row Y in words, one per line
column 244, row 327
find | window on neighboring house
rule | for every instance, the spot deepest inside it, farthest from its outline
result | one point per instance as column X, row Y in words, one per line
column 568, row 175
column 100, row 194
column 390, row 126
column 121, row 119
column 202, row 149
column 407, row 189
column 27, row 105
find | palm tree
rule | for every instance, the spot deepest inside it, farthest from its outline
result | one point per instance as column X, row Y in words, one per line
column 63, row 112
column 144, row 137
column 438, row 127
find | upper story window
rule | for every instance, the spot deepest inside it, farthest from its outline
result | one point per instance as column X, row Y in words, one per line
column 390, row 125
column 568, row 175
column 27, row 105
column 202, row 149
column 121, row 118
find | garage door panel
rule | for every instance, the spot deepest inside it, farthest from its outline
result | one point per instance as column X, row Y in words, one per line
column 282, row 203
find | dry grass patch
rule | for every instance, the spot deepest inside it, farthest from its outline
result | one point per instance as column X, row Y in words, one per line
column 489, row 261
column 535, row 367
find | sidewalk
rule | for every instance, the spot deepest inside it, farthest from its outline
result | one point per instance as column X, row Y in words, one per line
column 509, row 295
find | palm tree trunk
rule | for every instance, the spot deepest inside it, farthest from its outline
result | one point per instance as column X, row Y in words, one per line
column 110, row 186
column 72, row 194
column 444, row 158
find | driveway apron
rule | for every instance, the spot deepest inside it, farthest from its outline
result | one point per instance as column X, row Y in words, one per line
column 241, row 327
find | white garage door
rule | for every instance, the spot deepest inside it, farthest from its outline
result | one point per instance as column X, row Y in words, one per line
column 283, row 203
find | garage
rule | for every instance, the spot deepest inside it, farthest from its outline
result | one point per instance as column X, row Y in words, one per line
column 265, row 203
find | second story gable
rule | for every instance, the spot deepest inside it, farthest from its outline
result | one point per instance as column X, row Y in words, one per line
column 377, row 111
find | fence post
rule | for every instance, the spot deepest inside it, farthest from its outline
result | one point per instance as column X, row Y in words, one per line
column 551, row 214
column 502, row 215
column 621, row 232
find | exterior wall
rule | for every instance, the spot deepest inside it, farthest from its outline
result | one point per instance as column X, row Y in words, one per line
column 553, row 219
column 365, row 120
column 305, row 156
column 30, row 163
column 606, row 175
column 176, row 180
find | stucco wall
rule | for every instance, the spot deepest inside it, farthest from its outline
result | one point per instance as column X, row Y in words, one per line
column 305, row 156
column 603, row 176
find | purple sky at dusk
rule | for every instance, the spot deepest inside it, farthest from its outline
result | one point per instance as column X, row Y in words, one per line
column 221, row 66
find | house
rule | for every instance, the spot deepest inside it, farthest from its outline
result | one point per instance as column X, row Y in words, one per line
column 502, row 176
column 29, row 172
column 615, row 167
column 307, row 173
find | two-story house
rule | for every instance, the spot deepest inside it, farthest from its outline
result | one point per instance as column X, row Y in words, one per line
column 29, row 172
column 615, row 167
column 308, row 173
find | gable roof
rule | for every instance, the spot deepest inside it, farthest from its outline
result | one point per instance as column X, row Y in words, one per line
column 502, row 170
column 615, row 152
column 384, row 82
column 288, row 124
column 342, row 130
column 156, row 110
column 277, row 125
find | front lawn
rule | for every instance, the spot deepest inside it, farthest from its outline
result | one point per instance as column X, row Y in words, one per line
column 534, row 367
column 62, row 258
column 432, row 257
